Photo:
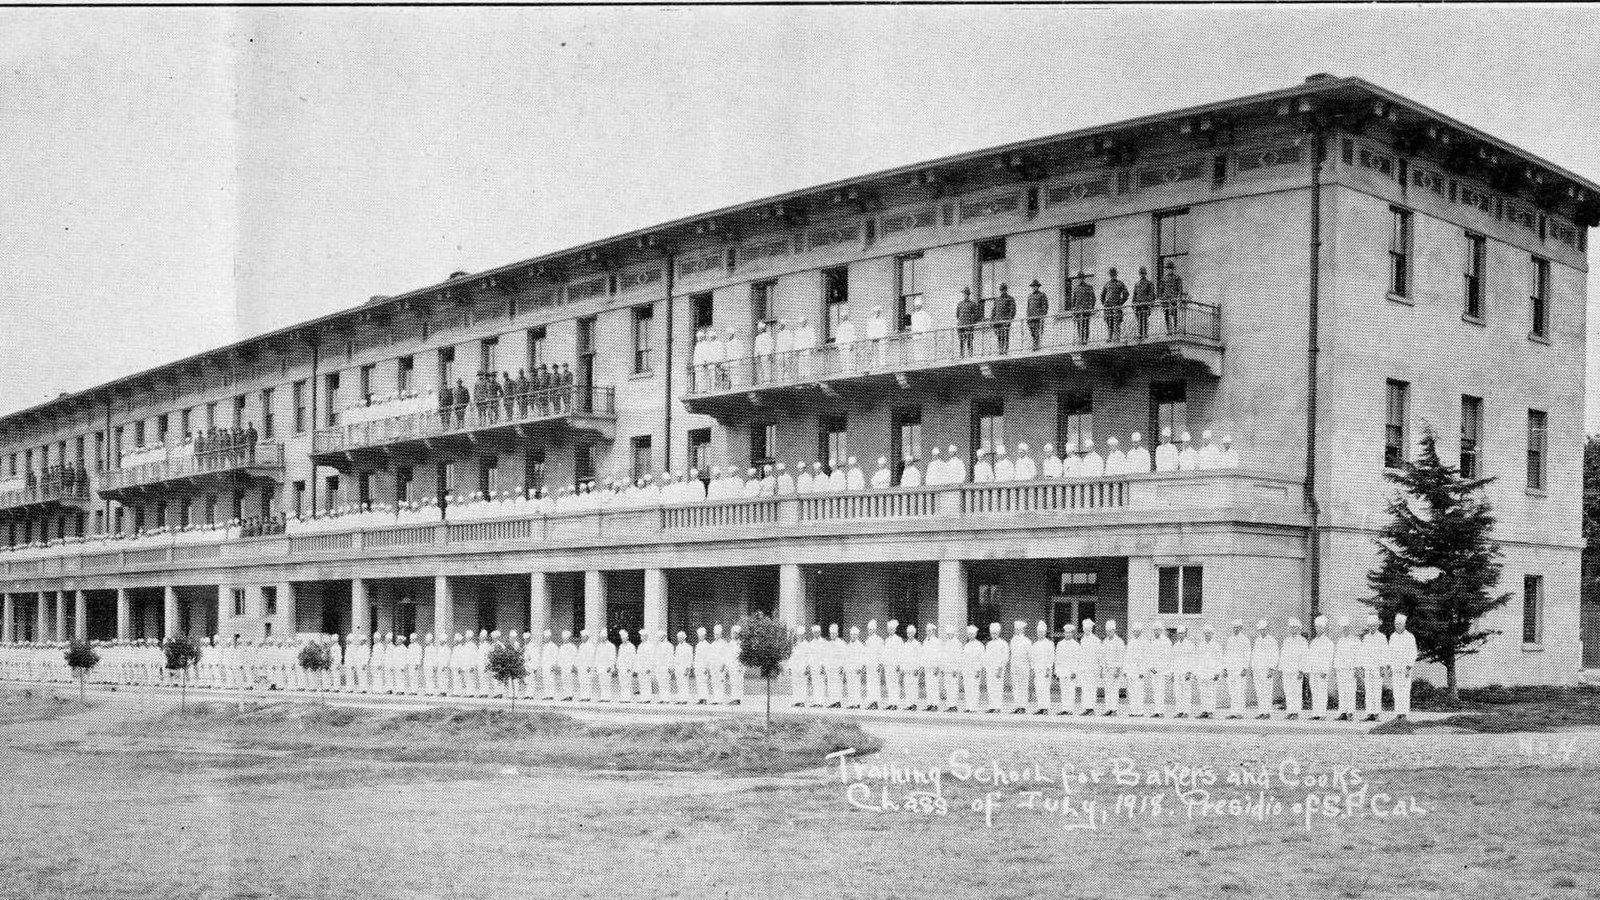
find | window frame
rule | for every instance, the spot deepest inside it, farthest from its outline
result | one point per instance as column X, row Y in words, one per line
column 1183, row 577
column 767, row 292
column 1538, row 451
column 1539, row 298
column 998, row 273
column 986, row 414
column 1470, row 456
column 1397, row 402
column 834, row 302
column 1532, row 610
column 906, row 301
column 642, row 443
column 828, row 426
column 643, row 329
column 900, row 419
column 1402, row 243
column 1474, row 293
column 1164, row 395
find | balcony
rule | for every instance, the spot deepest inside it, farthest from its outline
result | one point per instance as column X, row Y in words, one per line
column 1189, row 330
column 195, row 472
column 460, row 430
column 1100, row 510
column 50, row 492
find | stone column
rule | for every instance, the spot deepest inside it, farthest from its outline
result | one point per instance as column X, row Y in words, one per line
column 444, row 607
column 288, row 618
column 8, row 630
column 1142, row 589
column 655, row 600
column 124, row 615
column 80, row 616
column 953, row 595
column 61, row 615
column 360, row 616
column 224, row 608
column 594, row 602
column 539, row 605
column 169, row 612
column 792, row 599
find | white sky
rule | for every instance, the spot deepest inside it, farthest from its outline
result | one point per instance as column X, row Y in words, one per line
column 175, row 179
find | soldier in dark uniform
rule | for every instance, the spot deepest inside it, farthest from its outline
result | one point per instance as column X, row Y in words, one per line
column 520, row 388
column 1005, row 312
column 480, row 398
column 1038, row 308
column 508, row 395
column 491, row 386
column 967, row 315
column 566, row 388
column 447, row 399
column 1169, row 293
column 250, row 439
column 462, row 398
column 1082, row 306
column 1113, row 297
column 541, row 387
column 1144, row 296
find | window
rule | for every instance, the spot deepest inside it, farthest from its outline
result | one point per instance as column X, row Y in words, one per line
column 267, row 426
column 138, row 440
column 267, row 500
column 1471, row 436
column 1394, row 427
column 116, row 448
column 238, row 601
column 1476, row 250
column 447, row 366
column 763, row 443
column 701, row 308
column 1179, row 590
column 184, row 422
column 100, row 522
column 1539, row 298
column 833, row 444
column 77, row 450
column 99, row 453
column 1400, row 252
column 583, row 463
column 1077, row 254
column 183, row 514
column 1532, row 609
column 444, row 481
column 117, row 516
column 536, row 353
column 487, row 350
column 269, row 600
column 763, row 297
column 909, row 272
column 161, row 429
column 238, row 411
column 992, row 271
column 405, row 373
column 161, row 514
column 299, row 498
column 1169, row 409
column 238, row 505
column 298, row 395
column 403, row 478
column 700, row 452
column 988, row 426
column 211, row 509
column 1537, row 439
column 905, row 440
column 489, row 476
column 1172, row 243
column 533, row 470
column 643, row 318
column 211, row 415
column 643, row 459
column 835, row 300
column 1074, row 418
column 330, row 401
column 366, row 384
column 331, row 492
column 586, row 335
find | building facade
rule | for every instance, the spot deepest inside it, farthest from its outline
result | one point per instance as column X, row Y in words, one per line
column 1355, row 268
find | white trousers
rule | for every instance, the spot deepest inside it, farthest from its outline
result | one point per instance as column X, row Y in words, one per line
column 1294, row 700
column 1372, row 685
column 1090, row 683
column 1019, row 687
column 1262, row 682
column 969, row 686
column 874, row 684
column 1236, row 681
column 1347, row 690
column 1319, row 693
column 1400, row 686
column 1041, row 690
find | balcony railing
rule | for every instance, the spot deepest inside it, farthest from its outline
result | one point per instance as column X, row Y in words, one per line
column 57, row 492
column 571, row 401
column 261, row 456
column 1185, row 321
column 1130, row 499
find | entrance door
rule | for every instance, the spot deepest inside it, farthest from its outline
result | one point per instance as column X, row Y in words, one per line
column 1071, row 610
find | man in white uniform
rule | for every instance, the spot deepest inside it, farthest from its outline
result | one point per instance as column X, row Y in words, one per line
column 1236, row 668
column 354, row 661
column 1089, row 668
column 1184, row 661
column 1264, row 653
column 1113, row 651
column 1021, row 667
column 1208, row 666
column 702, row 665
column 627, row 661
column 799, row 667
column 730, row 652
column 1346, row 659
column 1042, row 657
column 996, row 654
column 605, row 669
column 971, row 667
column 1291, row 668
column 1373, row 657
column 818, row 652
column 1136, row 662
column 682, row 668
column 1066, row 669
column 1319, row 663
column 1161, row 674
column 566, row 668
column 1402, row 659
column 838, row 665
column 872, row 658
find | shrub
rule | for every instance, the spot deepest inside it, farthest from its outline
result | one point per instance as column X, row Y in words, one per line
column 505, row 664
column 765, row 645
column 80, row 659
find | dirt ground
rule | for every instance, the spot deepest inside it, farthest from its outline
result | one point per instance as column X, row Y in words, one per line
column 122, row 800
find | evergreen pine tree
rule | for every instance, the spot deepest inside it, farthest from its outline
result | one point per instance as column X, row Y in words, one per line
column 1436, row 560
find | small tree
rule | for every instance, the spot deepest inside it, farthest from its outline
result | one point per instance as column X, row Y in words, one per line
column 505, row 664
column 1436, row 560
column 765, row 647
column 80, row 659
column 315, row 657
column 181, row 654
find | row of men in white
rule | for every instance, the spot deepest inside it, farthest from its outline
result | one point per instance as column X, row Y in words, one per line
column 1199, row 673
column 215, row 533
column 656, row 670
column 390, row 406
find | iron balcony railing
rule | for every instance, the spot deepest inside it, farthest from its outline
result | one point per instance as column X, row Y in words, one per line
column 45, row 493
column 514, row 409
column 987, row 341
column 260, row 456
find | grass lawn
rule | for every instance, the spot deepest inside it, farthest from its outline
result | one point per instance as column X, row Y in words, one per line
column 1506, row 710
column 300, row 800
column 32, row 704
